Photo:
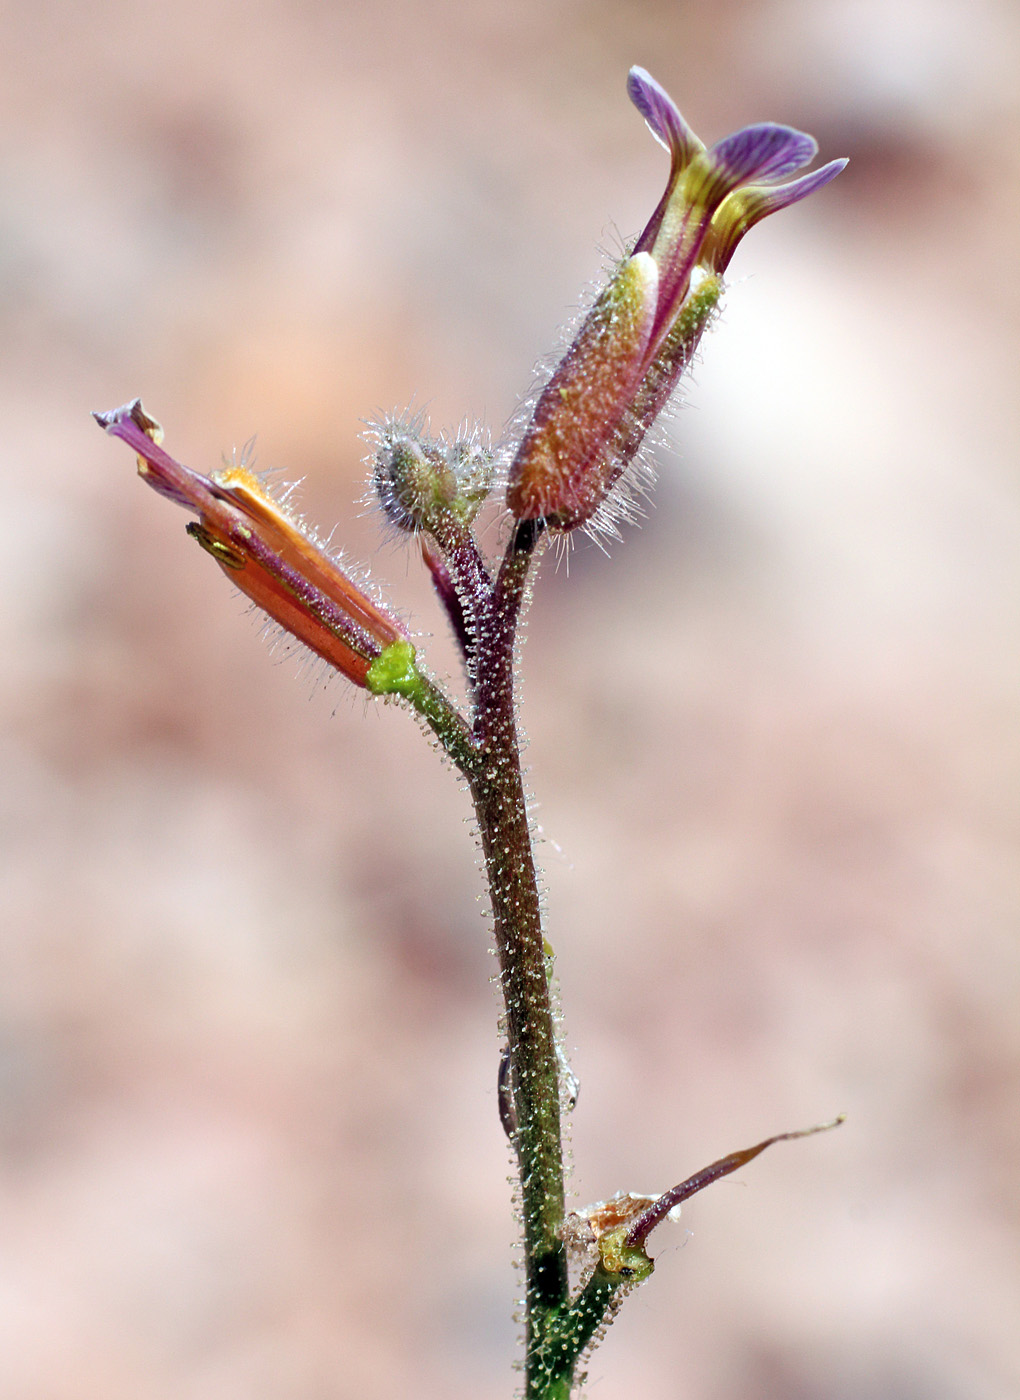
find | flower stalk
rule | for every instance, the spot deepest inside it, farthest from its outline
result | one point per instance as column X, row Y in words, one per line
column 572, row 467
column 497, row 790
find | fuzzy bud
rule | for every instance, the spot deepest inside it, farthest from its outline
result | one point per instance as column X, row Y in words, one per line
column 412, row 482
column 420, row 482
column 562, row 469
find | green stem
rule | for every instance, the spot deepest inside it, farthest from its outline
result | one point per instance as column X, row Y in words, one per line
column 489, row 757
column 571, row 1331
column 395, row 671
column 447, row 723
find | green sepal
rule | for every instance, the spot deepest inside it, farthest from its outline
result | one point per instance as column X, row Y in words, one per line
column 700, row 302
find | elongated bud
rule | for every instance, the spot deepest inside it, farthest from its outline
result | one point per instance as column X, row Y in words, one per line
column 274, row 560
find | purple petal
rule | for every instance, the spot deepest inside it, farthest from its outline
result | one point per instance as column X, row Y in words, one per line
column 763, row 152
column 171, row 479
column 750, row 204
column 663, row 116
column 781, row 196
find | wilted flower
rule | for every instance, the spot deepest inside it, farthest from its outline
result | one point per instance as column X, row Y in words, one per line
column 273, row 559
column 635, row 343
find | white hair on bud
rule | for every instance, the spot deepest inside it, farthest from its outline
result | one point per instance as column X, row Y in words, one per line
column 466, row 455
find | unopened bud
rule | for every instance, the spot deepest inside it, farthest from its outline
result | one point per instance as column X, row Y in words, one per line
column 412, row 482
column 419, row 481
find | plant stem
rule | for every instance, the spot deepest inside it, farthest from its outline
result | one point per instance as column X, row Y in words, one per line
column 497, row 788
column 487, row 614
column 446, row 722
column 571, row 1331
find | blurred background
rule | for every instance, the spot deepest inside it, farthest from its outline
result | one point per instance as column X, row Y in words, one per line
column 249, row 1147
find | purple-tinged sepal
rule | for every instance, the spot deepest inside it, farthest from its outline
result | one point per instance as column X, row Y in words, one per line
column 563, row 468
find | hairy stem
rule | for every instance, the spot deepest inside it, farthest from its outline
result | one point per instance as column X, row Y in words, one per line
column 497, row 787
column 459, row 559
column 446, row 723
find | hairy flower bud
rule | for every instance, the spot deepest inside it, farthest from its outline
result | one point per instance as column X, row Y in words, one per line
column 562, row 469
column 420, row 482
column 412, row 482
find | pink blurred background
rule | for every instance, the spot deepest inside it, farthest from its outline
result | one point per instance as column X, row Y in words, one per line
column 249, row 1147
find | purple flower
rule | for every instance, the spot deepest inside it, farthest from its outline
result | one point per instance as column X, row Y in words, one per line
column 639, row 337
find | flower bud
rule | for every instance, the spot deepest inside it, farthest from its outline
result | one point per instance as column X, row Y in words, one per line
column 420, row 482
column 412, row 482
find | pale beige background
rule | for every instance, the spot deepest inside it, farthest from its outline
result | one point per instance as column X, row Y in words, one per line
column 248, row 1127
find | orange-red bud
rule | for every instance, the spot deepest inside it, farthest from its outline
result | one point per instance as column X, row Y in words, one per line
column 265, row 552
